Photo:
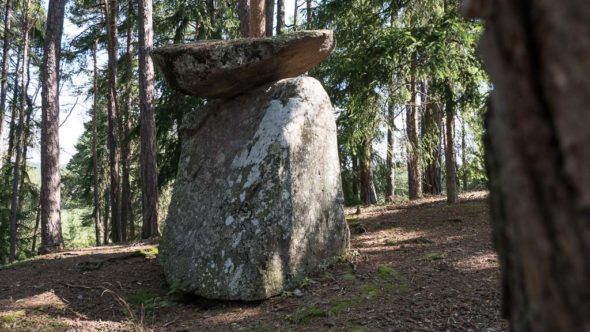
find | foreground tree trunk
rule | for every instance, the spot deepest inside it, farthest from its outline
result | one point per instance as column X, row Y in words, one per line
column 51, row 235
column 6, row 40
column 96, row 189
column 149, row 167
column 113, row 137
column 257, row 18
column 538, row 158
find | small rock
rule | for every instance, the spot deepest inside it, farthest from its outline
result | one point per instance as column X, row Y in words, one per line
column 297, row 292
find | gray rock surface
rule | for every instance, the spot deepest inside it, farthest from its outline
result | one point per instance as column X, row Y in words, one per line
column 223, row 69
column 257, row 202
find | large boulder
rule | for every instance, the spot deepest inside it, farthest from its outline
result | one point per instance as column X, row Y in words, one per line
column 223, row 69
column 257, row 202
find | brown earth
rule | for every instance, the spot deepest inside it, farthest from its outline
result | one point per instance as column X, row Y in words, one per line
column 420, row 266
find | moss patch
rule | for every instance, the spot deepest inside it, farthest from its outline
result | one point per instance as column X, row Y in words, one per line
column 306, row 314
column 150, row 253
column 433, row 256
column 19, row 321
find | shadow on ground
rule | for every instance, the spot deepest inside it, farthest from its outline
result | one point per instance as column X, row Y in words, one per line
column 420, row 266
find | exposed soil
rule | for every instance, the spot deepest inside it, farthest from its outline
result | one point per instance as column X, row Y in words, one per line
column 420, row 266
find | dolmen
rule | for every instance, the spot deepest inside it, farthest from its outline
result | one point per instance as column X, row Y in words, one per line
column 257, row 202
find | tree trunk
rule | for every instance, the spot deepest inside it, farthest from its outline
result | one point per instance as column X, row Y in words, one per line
column 390, row 177
column 450, row 157
column 20, row 143
column 355, row 177
column 463, row 156
column 538, row 159
column 14, row 108
column 368, row 195
column 4, row 74
column 257, row 18
column 36, row 229
column 113, row 137
column 309, row 12
column 244, row 15
column 296, row 5
column 149, row 168
column 280, row 17
column 431, row 135
column 125, row 128
column 51, row 235
column 269, row 8
column 414, row 170
column 106, row 221
column 96, row 189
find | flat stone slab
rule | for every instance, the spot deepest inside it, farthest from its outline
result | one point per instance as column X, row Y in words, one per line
column 257, row 202
column 223, row 69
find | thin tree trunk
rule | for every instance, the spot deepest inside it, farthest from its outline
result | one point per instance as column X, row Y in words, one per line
column 463, row 156
column 308, row 8
column 269, row 8
column 51, row 234
column 414, row 169
column 96, row 188
column 355, row 177
column 4, row 74
column 257, row 18
column 20, row 146
column 149, row 168
column 244, row 15
column 106, row 221
column 280, row 17
column 450, row 156
column 368, row 195
column 124, row 129
column 14, row 108
column 390, row 177
column 36, row 229
column 538, row 159
column 296, row 5
column 113, row 121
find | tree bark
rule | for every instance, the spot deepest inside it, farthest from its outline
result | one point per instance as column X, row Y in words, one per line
column 257, row 18
column 96, row 189
column 126, row 207
column 355, row 177
column 368, row 194
column 51, row 234
column 111, row 11
column 390, row 161
column 308, row 12
column 296, row 5
column 149, row 167
column 463, row 156
column 20, row 144
column 269, row 8
column 4, row 78
column 280, row 17
column 244, row 15
column 538, row 160
column 450, row 156
column 414, row 169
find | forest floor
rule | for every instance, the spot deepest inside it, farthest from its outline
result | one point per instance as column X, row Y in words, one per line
column 419, row 266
